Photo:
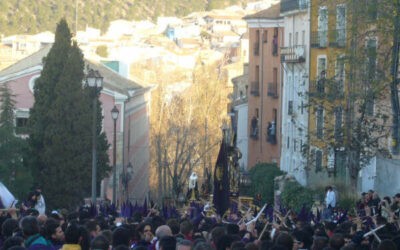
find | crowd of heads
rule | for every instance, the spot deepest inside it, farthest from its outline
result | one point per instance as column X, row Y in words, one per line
column 374, row 224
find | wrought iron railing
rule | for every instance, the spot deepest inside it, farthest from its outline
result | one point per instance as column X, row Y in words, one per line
column 319, row 39
column 255, row 88
column 337, row 38
column 272, row 90
column 294, row 54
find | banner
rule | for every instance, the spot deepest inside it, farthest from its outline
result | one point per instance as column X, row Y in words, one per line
column 221, row 181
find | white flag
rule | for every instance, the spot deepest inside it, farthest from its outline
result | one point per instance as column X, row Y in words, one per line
column 7, row 198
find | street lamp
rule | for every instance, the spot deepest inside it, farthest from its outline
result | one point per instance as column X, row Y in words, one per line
column 114, row 115
column 94, row 81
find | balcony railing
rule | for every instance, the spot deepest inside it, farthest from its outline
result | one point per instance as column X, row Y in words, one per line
column 256, row 49
column 272, row 90
column 293, row 5
column 327, row 88
column 337, row 38
column 295, row 54
column 317, row 88
column 255, row 88
column 319, row 39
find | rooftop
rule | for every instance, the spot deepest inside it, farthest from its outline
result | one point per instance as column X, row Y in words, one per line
column 272, row 12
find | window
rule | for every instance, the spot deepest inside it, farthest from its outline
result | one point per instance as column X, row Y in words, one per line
column 321, row 67
column 265, row 36
column 303, row 37
column 372, row 9
column 21, row 125
column 290, row 39
column 338, row 123
column 340, row 75
column 275, row 43
column 318, row 160
column 271, row 132
column 323, row 26
column 320, row 122
column 257, row 73
column 330, row 163
column 340, row 161
column 369, row 105
column 296, row 39
column 257, row 43
column 371, row 75
column 21, row 122
column 254, row 126
column 371, row 58
column 341, row 25
column 290, row 108
column 301, row 145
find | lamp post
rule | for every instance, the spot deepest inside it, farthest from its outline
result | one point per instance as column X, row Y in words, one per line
column 114, row 115
column 94, row 81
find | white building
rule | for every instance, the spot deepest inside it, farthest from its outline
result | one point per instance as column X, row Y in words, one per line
column 295, row 63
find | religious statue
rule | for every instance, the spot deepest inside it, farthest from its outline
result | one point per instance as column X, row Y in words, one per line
column 193, row 192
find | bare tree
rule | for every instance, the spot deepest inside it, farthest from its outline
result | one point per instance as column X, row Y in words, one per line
column 186, row 129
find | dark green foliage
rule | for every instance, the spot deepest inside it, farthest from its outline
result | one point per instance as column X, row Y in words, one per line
column 33, row 16
column 262, row 180
column 7, row 109
column 60, row 126
column 295, row 196
column 13, row 173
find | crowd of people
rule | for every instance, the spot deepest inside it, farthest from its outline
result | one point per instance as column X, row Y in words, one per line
column 374, row 224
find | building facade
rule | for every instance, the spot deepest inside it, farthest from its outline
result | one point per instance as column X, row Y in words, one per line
column 327, row 98
column 117, row 91
column 264, row 97
column 295, row 64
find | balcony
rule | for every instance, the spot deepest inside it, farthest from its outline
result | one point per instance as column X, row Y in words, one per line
column 319, row 39
column 293, row 5
column 271, row 133
column 337, row 38
column 317, row 88
column 256, row 49
column 327, row 88
column 294, row 54
column 255, row 88
column 272, row 90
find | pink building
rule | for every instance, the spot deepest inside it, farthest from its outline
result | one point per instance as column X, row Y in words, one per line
column 264, row 97
column 128, row 96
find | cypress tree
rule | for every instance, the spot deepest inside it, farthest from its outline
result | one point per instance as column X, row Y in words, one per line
column 60, row 123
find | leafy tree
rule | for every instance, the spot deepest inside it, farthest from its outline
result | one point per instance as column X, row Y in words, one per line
column 352, row 94
column 60, row 126
column 296, row 196
column 13, row 173
column 262, row 178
